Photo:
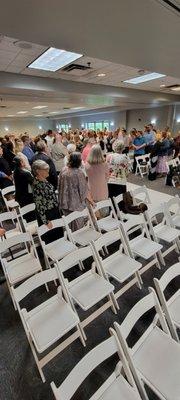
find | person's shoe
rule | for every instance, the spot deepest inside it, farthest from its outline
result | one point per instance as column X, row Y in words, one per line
column 2, row 279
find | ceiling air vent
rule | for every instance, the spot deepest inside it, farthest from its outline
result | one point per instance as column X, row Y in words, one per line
column 3, row 106
column 66, row 108
column 72, row 67
column 23, row 45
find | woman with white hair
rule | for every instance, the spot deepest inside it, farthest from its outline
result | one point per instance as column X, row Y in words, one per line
column 97, row 173
column 44, row 195
column 118, row 164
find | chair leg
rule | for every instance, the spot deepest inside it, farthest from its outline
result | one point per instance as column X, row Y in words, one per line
column 81, row 266
column 139, row 279
column 157, row 262
column 82, row 335
column 161, row 258
column 114, row 303
column 37, row 361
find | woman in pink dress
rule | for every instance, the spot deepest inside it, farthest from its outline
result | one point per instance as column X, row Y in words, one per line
column 97, row 173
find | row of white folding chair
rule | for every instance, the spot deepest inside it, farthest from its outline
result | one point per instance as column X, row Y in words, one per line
column 154, row 359
column 140, row 246
column 10, row 217
column 148, row 362
column 48, row 322
column 59, row 248
column 11, row 203
column 19, row 268
column 119, row 385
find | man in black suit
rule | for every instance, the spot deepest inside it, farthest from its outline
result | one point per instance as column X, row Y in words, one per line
column 42, row 155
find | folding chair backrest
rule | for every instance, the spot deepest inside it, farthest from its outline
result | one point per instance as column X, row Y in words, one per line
column 73, row 258
column 132, row 222
column 7, row 216
column 34, row 282
column 117, row 200
column 107, row 239
column 56, row 223
column 176, row 161
column 85, row 366
column 22, row 238
column 104, row 204
column 173, row 205
column 8, row 190
column 75, row 215
column 139, row 191
column 144, row 305
column 168, row 276
column 27, row 209
column 156, row 210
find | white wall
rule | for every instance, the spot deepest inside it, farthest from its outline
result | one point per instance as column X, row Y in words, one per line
column 21, row 125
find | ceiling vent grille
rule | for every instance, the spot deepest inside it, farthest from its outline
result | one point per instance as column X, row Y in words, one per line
column 73, row 67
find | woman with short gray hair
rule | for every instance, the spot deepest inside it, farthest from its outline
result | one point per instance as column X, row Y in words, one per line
column 44, row 194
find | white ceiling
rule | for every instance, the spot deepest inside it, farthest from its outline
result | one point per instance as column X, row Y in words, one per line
column 15, row 60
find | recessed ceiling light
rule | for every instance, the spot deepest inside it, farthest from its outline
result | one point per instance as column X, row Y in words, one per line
column 6, row 128
column 101, row 75
column 77, row 108
column 144, row 78
column 54, row 112
column 176, row 89
column 54, row 59
column 39, row 107
column 38, row 115
column 22, row 112
column 10, row 115
column 163, row 85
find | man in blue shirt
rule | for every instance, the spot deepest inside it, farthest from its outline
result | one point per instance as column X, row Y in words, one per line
column 139, row 145
column 27, row 151
column 150, row 139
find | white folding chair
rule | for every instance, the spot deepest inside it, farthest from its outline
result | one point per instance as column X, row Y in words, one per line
column 105, row 223
column 46, row 323
column 176, row 161
column 171, row 307
column 10, row 220
column 30, row 226
column 172, row 209
column 142, row 164
column 84, row 235
column 155, row 357
column 140, row 245
column 57, row 249
column 119, row 266
column 121, row 215
column 90, row 287
column 10, row 204
column 116, row 387
column 140, row 194
column 19, row 268
column 162, row 230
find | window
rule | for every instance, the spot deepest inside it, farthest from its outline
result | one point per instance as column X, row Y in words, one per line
column 64, row 127
column 106, row 124
column 99, row 125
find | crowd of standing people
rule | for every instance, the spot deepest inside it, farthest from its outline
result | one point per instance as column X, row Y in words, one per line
column 62, row 172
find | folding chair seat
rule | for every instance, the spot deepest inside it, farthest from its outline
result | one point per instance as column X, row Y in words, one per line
column 84, row 235
column 140, row 245
column 162, row 230
column 122, row 216
column 90, row 287
column 172, row 209
column 105, row 223
column 20, row 268
column 120, row 266
column 10, row 204
column 46, row 323
column 115, row 387
column 170, row 306
column 58, row 248
column 155, row 357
